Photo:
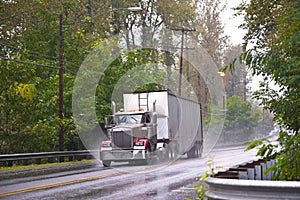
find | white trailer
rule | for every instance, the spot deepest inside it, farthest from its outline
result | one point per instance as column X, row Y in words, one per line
column 153, row 125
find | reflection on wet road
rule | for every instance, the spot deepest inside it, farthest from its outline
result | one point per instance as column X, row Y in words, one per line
column 123, row 181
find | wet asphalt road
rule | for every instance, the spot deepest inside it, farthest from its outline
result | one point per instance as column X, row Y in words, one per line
column 174, row 180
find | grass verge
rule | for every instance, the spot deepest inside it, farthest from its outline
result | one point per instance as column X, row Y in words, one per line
column 17, row 167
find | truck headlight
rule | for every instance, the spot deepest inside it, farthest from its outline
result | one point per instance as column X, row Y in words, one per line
column 139, row 143
column 106, row 144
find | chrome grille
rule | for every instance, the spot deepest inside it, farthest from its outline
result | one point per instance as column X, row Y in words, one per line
column 122, row 140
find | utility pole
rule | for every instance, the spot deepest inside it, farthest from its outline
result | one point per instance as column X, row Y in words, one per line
column 181, row 60
column 61, row 89
column 187, row 63
column 90, row 9
column 90, row 15
column 181, row 57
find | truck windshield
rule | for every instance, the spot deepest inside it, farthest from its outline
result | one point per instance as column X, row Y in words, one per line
column 129, row 119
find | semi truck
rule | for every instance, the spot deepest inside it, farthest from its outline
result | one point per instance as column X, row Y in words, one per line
column 152, row 126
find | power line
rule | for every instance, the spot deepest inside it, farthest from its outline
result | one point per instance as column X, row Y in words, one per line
column 49, row 66
column 28, row 63
column 183, row 30
column 48, row 58
column 37, row 55
column 36, row 64
column 32, row 53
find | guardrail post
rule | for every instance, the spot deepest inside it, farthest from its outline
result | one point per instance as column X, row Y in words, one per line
column 70, row 158
column 264, row 168
column 250, row 172
column 38, row 160
column 257, row 170
column 50, row 160
column 10, row 163
column 243, row 175
column 269, row 174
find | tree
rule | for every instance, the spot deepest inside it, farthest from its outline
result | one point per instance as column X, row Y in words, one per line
column 240, row 117
column 29, row 60
column 30, row 123
column 273, row 50
column 133, row 71
column 210, row 30
column 236, row 81
column 210, row 35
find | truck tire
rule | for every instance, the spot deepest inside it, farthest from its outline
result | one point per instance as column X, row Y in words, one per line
column 172, row 151
column 197, row 150
column 191, row 153
column 106, row 163
column 148, row 156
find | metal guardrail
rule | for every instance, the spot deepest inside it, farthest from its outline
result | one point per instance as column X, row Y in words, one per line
column 220, row 189
column 42, row 155
column 251, row 181
column 256, row 170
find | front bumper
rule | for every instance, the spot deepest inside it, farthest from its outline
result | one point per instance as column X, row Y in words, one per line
column 123, row 155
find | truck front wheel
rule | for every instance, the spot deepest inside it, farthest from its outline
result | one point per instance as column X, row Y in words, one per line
column 106, row 163
column 148, row 156
column 192, row 153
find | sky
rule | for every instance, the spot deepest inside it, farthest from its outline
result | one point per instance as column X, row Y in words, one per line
column 231, row 22
column 236, row 34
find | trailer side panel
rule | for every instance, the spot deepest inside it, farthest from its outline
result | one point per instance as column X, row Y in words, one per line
column 184, row 122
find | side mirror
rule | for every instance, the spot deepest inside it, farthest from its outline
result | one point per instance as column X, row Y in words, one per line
column 106, row 121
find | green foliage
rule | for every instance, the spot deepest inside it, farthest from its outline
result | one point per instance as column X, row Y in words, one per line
column 28, row 116
column 26, row 91
column 236, row 80
column 177, row 14
column 273, row 40
column 30, row 33
column 240, row 116
column 289, row 158
column 29, row 96
column 253, row 144
column 285, row 151
column 200, row 186
column 130, row 72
